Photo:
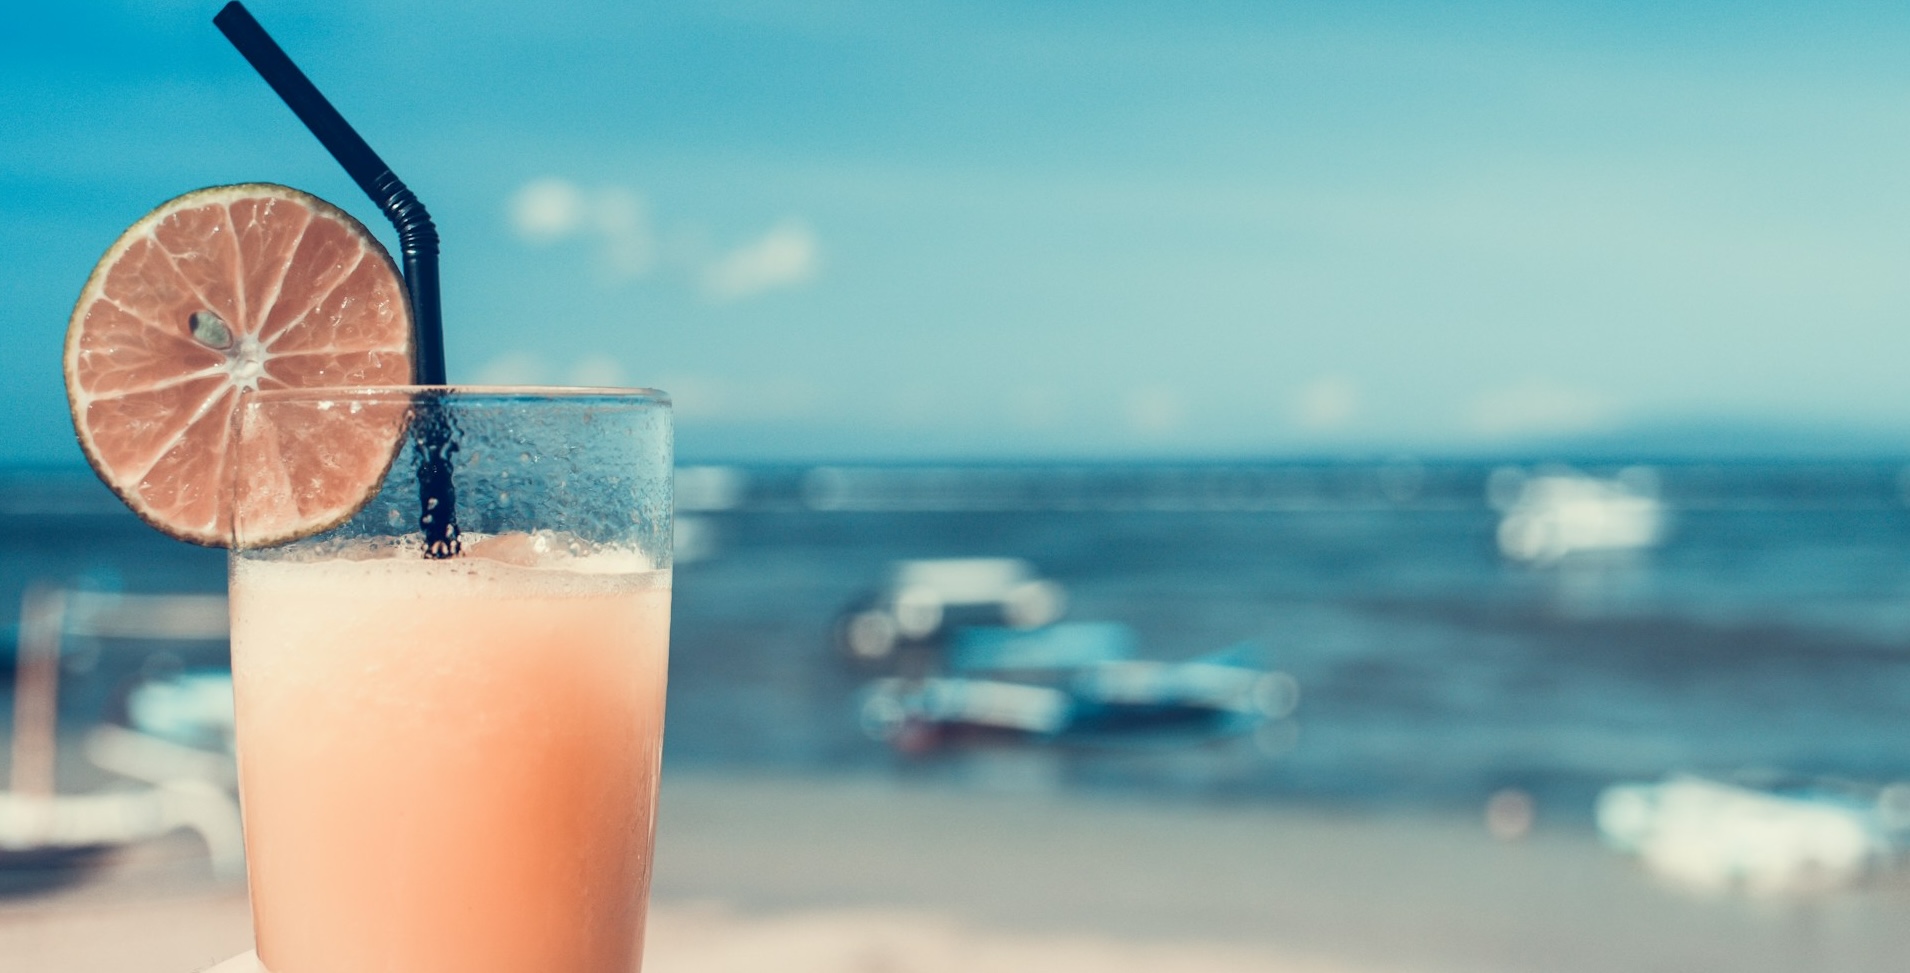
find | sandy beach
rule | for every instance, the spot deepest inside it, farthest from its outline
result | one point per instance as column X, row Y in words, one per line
column 800, row 874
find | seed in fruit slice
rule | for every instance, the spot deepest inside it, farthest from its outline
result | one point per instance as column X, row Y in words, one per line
column 222, row 292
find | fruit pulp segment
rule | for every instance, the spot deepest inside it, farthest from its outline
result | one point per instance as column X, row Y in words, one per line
column 447, row 765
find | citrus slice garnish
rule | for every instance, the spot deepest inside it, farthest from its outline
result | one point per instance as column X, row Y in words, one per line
column 221, row 292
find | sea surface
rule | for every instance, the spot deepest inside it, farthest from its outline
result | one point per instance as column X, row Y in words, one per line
column 1766, row 638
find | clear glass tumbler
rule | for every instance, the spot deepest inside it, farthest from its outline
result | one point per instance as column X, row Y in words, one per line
column 449, row 740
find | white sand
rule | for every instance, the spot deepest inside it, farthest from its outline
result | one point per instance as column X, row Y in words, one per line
column 758, row 874
column 688, row 939
column 185, row 935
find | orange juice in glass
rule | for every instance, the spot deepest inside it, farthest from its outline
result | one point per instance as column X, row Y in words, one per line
column 449, row 764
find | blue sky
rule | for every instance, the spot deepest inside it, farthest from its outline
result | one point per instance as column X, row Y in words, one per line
column 905, row 229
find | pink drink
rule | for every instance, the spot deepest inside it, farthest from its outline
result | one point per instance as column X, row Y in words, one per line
column 449, row 766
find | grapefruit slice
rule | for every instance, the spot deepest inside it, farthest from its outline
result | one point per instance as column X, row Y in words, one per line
column 216, row 294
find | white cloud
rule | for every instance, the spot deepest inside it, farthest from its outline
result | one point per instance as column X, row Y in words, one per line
column 1328, row 402
column 614, row 219
column 1537, row 407
column 615, row 222
column 547, row 210
column 1155, row 410
column 596, row 371
column 785, row 256
column 622, row 218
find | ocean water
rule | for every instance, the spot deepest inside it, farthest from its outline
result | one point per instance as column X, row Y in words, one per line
column 1767, row 637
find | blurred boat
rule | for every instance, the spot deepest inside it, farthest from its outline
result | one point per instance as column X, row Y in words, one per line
column 1222, row 694
column 1556, row 513
column 1061, row 647
column 922, row 601
column 1714, row 836
column 916, row 715
column 1077, row 690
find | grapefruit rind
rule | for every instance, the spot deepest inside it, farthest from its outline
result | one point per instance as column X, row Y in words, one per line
column 210, row 486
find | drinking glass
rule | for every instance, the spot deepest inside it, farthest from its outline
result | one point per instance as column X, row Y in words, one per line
column 449, row 763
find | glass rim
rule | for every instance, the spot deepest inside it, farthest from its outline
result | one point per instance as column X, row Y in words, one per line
column 503, row 393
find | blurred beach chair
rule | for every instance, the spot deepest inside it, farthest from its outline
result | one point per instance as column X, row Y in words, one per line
column 186, row 789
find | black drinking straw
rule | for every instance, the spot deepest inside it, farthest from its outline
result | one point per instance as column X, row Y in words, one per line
column 417, row 239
